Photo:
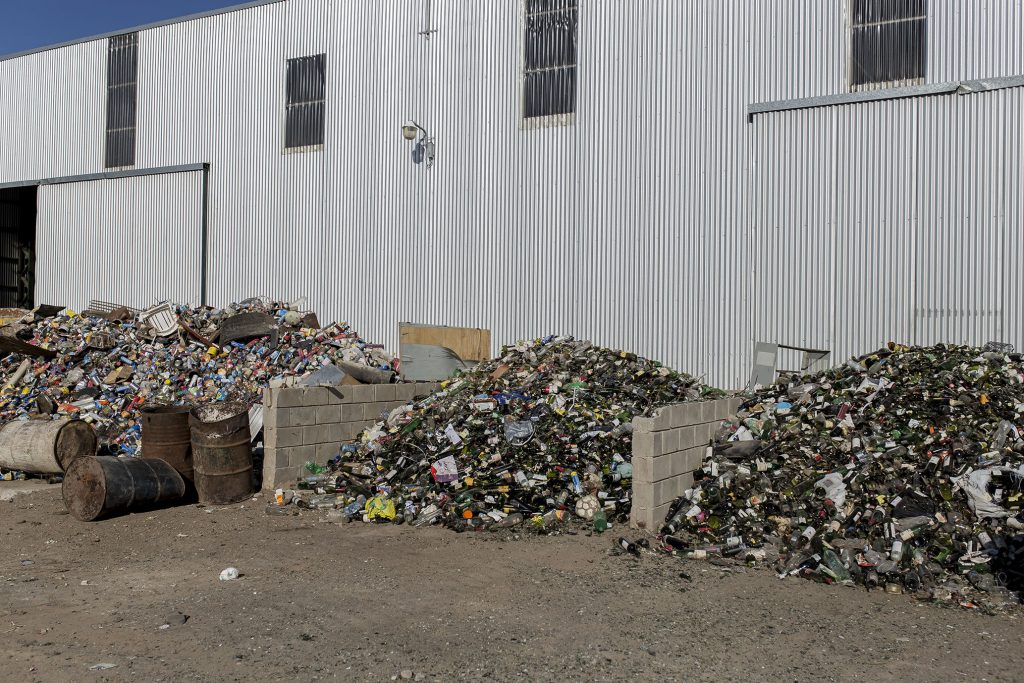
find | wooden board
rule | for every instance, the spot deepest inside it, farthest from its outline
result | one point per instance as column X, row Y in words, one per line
column 472, row 344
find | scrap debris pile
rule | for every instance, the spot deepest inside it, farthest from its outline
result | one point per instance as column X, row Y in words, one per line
column 540, row 434
column 103, row 368
column 901, row 468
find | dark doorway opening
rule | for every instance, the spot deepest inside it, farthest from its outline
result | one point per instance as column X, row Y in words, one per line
column 17, row 247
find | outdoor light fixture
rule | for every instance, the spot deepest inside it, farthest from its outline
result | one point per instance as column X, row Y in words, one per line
column 424, row 149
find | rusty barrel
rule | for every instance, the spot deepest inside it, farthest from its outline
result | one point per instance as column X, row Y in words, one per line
column 166, row 435
column 45, row 446
column 103, row 486
column 221, row 452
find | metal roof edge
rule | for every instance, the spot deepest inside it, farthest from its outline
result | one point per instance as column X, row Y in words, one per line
column 958, row 87
column 143, row 27
column 109, row 175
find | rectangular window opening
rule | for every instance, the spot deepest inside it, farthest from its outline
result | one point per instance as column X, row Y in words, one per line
column 887, row 43
column 549, row 58
column 306, row 92
column 122, row 93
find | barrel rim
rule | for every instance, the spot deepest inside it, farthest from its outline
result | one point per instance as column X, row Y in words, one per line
column 165, row 409
column 237, row 409
column 63, row 455
column 84, row 508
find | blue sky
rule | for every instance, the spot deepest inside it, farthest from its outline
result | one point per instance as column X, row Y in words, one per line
column 28, row 24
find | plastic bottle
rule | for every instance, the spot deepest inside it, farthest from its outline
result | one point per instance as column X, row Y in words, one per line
column 600, row 521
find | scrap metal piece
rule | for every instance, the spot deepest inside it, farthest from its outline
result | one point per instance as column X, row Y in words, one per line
column 245, row 327
column 15, row 345
column 765, row 357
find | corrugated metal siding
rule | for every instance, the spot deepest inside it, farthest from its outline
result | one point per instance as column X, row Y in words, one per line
column 888, row 222
column 132, row 241
column 637, row 226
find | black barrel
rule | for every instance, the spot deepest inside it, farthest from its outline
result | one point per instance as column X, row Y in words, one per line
column 166, row 435
column 221, row 452
column 103, row 486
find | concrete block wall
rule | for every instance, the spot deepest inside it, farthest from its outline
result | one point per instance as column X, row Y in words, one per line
column 311, row 423
column 667, row 448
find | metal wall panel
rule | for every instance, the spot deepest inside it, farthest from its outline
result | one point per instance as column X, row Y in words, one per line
column 914, row 232
column 132, row 241
column 642, row 224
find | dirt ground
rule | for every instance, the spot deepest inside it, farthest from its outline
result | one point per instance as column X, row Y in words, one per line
column 323, row 601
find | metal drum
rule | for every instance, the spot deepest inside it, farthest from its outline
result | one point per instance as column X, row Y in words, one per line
column 221, row 452
column 45, row 446
column 166, row 435
column 103, row 486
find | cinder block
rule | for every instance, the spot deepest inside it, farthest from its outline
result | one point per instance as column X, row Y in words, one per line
column 734, row 404
column 682, row 482
column 351, row 412
column 692, row 413
column 384, row 392
column 270, row 416
column 282, row 437
column 643, row 468
column 702, row 433
column 643, row 424
column 336, row 395
column 670, row 440
column 315, row 396
column 358, row 427
column 643, row 444
column 358, row 394
column 326, row 451
column 661, row 419
column 278, row 477
column 314, row 434
column 271, row 459
column 373, row 411
column 661, row 492
column 712, row 411
column 648, row 518
column 675, row 415
column 341, row 431
column 643, row 494
column 268, row 398
column 423, row 389
column 329, row 414
column 288, row 397
column 666, row 466
column 687, row 437
column 298, row 417
column 404, row 391
column 693, row 458
column 661, row 467
column 391, row 405
column 300, row 455
column 667, row 490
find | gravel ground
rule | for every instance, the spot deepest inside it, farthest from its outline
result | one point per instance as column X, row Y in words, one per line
column 321, row 601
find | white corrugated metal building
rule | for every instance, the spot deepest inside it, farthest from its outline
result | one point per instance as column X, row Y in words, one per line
column 676, row 178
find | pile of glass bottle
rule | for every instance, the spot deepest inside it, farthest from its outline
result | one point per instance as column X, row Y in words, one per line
column 539, row 435
column 902, row 468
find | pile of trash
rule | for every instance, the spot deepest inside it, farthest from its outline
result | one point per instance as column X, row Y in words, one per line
column 541, row 433
column 104, row 367
column 901, row 468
